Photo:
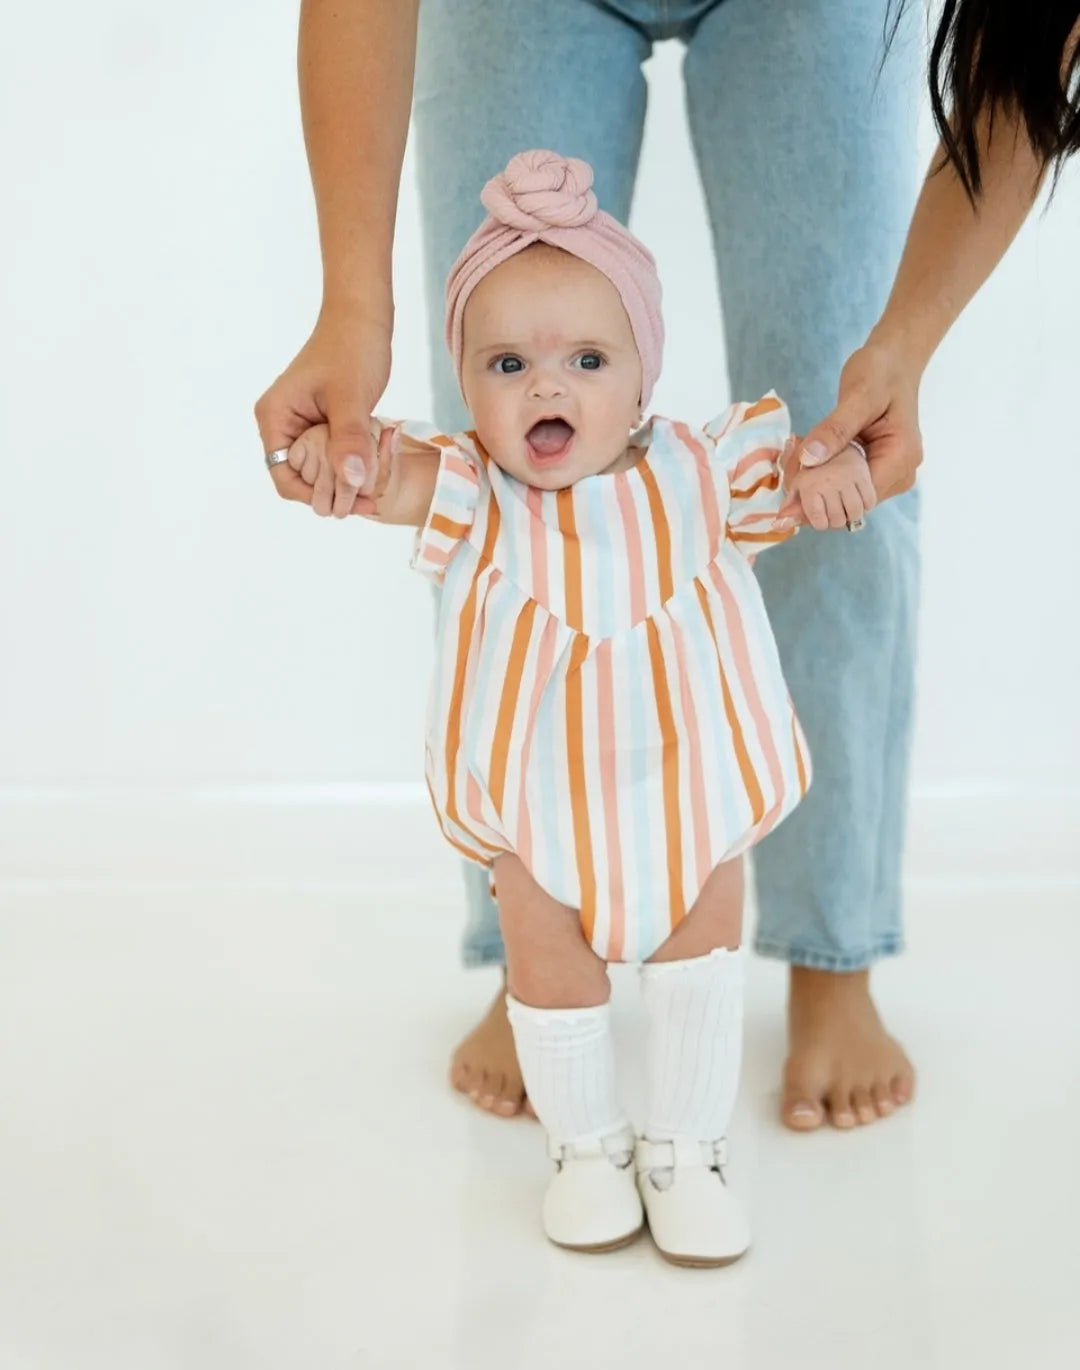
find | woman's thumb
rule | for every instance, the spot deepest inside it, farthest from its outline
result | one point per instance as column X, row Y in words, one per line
column 833, row 433
column 352, row 452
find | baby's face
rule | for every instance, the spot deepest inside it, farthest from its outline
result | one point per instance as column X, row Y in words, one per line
column 550, row 369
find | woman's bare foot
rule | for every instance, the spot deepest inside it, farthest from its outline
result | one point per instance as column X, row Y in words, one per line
column 484, row 1065
column 842, row 1065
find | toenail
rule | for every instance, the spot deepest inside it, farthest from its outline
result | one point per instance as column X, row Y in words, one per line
column 804, row 1111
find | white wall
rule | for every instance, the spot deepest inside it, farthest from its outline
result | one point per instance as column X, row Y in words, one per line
column 165, row 621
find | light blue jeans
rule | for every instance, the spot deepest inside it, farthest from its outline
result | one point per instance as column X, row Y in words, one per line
column 806, row 150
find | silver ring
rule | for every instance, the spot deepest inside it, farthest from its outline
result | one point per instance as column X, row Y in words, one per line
column 856, row 525
column 276, row 458
column 854, row 442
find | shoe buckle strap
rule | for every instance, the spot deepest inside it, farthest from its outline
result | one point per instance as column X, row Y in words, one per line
column 680, row 1151
column 591, row 1148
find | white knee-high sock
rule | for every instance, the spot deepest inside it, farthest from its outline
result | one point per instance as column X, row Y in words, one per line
column 695, row 1010
column 567, row 1061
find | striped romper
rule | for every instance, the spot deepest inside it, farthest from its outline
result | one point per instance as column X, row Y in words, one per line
column 608, row 701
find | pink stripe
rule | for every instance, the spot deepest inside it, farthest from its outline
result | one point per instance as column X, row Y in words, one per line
column 473, row 801
column 707, row 481
column 759, row 454
column 698, row 804
column 737, row 638
column 632, row 535
column 545, row 658
column 605, row 708
column 733, row 419
column 539, row 543
column 460, row 467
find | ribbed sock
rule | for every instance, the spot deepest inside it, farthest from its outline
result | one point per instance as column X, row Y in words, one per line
column 567, row 1062
column 695, row 1011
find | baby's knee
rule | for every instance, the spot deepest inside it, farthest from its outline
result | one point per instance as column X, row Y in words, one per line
column 551, row 985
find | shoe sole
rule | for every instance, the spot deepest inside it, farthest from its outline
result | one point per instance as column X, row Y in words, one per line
column 598, row 1248
column 701, row 1262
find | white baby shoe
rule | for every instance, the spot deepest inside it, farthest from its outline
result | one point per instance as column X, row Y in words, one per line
column 592, row 1202
column 693, row 1217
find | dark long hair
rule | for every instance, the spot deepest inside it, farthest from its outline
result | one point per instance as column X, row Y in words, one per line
column 1003, row 58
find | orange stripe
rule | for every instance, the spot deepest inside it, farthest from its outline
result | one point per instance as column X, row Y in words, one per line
column 770, row 482
column 575, row 752
column 782, row 536
column 483, row 859
column 504, row 724
column 669, row 737
column 763, row 406
column 492, row 530
column 449, row 529
column 605, row 682
column 746, row 769
column 661, row 531
column 564, row 504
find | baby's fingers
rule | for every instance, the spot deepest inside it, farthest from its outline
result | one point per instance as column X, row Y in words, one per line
column 852, row 500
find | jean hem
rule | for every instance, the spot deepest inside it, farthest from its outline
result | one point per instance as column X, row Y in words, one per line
column 483, row 954
column 830, row 960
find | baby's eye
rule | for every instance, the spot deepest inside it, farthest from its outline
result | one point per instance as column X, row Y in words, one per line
column 591, row 361
column 515, row 364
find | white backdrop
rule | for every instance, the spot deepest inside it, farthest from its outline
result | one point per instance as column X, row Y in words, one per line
column 166, row 622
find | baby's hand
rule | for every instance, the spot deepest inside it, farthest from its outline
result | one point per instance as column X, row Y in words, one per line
column 309, row 457
column 835, row 495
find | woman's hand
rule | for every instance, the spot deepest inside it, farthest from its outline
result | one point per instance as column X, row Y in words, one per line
column 337, row 378
column 309, row 459
column 878, row 403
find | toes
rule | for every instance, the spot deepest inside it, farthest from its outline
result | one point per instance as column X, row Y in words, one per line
column 902, row 1088
column 841, row 1113
column 487, row 1090
column 461, row 1078
column 883, row 1101
column 863, row 1105
column 801, row 1113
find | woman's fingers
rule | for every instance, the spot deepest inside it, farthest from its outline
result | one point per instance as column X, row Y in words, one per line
column 290, row 484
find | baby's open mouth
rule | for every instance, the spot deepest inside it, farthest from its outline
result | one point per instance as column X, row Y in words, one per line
column 549, row 438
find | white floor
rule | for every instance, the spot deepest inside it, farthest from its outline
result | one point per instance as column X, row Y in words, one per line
column 226, row 1142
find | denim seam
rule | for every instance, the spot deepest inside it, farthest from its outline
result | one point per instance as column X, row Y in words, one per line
column 892, row 945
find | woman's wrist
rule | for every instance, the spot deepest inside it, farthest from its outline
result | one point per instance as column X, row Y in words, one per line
column 364, row 311
column 908, row 346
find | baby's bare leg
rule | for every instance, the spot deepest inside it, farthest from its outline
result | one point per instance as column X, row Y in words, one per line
column 549, row 964
column 715, row 919
column 560, row 1015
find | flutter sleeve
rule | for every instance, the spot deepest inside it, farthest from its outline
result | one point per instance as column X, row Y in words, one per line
column 453, row 503
column 750, row 440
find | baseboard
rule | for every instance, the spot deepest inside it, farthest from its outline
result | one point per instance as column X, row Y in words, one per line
column 360, row 836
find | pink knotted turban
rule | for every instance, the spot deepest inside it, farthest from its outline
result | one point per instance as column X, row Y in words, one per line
column 542, row 197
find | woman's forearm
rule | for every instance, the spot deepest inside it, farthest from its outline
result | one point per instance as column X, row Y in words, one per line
column 952, row 247
column 356, row 60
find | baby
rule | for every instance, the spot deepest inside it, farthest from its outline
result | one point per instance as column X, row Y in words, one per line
column 609, row 729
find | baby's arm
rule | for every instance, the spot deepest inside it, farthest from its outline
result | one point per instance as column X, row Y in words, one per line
column 401, row 489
